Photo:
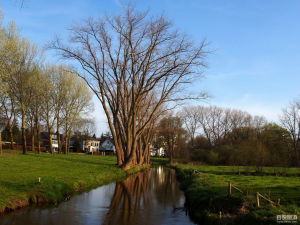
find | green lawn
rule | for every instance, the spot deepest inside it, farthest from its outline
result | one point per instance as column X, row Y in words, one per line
column 159, row 161
column 207, row 193
column 61, row 176
column 246, row 169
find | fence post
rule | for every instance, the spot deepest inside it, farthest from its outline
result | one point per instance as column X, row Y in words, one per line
column 229, row 188
column 278, row 201
column 257, row 200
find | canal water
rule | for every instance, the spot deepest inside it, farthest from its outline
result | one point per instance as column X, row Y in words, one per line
column 151, row 197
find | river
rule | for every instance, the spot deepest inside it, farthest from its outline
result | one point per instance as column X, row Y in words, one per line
column 151, row 197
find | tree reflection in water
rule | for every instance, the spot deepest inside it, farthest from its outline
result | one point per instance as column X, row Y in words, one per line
column 148, row 198
column 144, row 198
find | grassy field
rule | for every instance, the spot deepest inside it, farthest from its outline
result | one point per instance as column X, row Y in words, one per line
column 206, row 188
column 248, row 170
column 159, row 161
column 61, row 176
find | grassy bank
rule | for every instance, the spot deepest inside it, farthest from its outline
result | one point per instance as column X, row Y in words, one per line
column 206, row 189
column 60, row 177
column 159, row 161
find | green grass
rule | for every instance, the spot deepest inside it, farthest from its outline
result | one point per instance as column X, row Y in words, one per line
column 246, row 169
column 61, row 176
column 159, row 161
column 207, row 193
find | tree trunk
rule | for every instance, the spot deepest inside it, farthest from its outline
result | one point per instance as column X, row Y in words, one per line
column 0, row 142
column 171, row 155
column 58, row 142
column 171, row 158
column 130, row 161
column 11, row 136
column 68, row 143
column 38, row 138
column 119, row 150
column 58, row 136
column 66, row 147
column 50, row 141
column 139, row 157
column 147, row 155
column 24, row 144
column 32, row 141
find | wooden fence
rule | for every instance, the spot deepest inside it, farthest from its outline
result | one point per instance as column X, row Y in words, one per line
column 259, row 196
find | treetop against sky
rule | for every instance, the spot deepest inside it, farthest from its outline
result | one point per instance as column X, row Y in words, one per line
column 255, row 61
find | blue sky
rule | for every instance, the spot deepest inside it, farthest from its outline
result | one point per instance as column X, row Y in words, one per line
column 255, row 65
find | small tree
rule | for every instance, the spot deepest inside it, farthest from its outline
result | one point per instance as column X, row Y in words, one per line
column 290, row 119
column 171, row 136
column 77, row 102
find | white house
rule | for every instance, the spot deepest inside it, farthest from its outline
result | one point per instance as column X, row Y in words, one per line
column 91, row 146
column 157, row 152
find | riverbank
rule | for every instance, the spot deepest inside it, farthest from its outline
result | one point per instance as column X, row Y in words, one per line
column 45, row 178
column 207, row 192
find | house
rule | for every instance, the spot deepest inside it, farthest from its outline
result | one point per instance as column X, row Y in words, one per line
column 99, row 146
column 91, row 146
column 157, row 152
column 45, row 141
column 107, row 146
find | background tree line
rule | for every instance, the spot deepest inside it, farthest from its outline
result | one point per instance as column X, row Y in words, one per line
column 37, row 96
column 222, row 136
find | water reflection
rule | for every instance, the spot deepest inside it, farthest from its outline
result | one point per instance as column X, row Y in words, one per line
column 150, row 197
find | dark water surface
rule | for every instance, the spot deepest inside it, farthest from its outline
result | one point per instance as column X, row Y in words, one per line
column 151, row 197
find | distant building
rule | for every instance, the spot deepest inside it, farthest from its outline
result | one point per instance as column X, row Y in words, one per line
column 157, row 152
column 91, row 146
column 100, row 146
column 108, row 146
column 45, row 141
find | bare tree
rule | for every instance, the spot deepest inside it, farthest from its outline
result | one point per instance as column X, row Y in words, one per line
column 77, row 102
column 85, row 126
column 132, row 62
column 216, row 123
column 34, row 112
column 48, row 109
column 190, row 118
column 63, row 81
column 290, row 119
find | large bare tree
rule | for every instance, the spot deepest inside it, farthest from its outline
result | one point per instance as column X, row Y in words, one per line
column 134, row 64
